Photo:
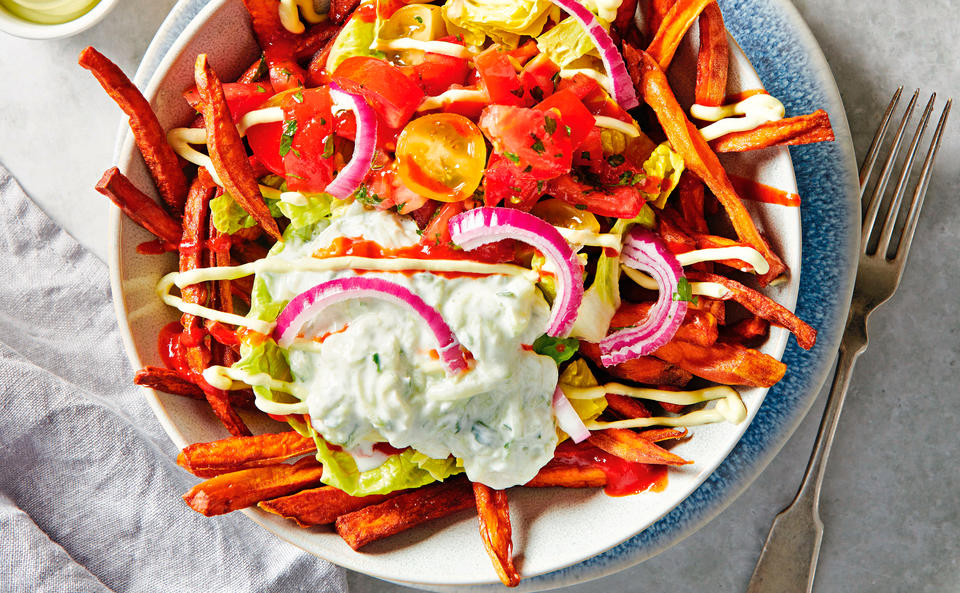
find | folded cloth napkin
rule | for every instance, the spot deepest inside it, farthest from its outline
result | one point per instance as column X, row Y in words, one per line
column 89, row 490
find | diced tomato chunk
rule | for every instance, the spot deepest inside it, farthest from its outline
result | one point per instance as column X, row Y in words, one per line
column 573, row 114
column 534, row 140
column 242, row 97
column 504, row 182
column 539, row 78
column 391, row 94
column 622, row 201
column 308, row 140
column 499, row 77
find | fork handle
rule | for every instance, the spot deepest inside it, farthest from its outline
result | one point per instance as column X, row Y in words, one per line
column 788, row 560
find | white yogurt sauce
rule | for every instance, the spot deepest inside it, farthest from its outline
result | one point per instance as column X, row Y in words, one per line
column 377, row 380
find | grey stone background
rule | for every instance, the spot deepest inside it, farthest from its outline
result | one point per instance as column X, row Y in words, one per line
column 890, row 501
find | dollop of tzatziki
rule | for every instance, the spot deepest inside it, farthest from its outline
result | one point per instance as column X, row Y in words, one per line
column 374, row 378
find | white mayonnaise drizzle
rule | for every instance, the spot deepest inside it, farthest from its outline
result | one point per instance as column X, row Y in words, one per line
column 435, row 47
column 713, row 290
column 452, row 96
column 602, row 79
column 290, row 16
column 741, row 252
column 584, row 237
column 612, row 123
column 729, row 408
column 754, row 111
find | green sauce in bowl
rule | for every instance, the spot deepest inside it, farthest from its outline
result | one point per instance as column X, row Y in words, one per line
column 49, row 12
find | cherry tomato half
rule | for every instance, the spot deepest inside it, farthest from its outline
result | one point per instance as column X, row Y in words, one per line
column 441, row 156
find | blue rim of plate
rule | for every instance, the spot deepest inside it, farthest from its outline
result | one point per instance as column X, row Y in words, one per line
column 793, row 68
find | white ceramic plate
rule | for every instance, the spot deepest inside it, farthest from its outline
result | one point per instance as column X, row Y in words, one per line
column 552, row 529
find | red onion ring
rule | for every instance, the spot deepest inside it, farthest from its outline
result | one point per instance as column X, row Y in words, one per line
column 351, row 176
column 643, row 250
column 567, row 418
column 310, row 302
column 480, row 226
column 623, row 90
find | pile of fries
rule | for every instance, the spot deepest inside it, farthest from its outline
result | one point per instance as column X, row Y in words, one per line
column 278, row 472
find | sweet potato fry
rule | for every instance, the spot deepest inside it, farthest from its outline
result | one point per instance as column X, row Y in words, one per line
column 320, row 506
column 315, row 38
column 690, row 200
column 227, row 151
column 699, row 158
column 802, row 129
column 656, row 435
column 654, row 13
column 168, row 381
column 493, row 512
column 646, row 369
column 279, row 45
column 628, row 445
column 138, row 207
column 715, row 307
column 698, row 326
column 236, row 453
column 625, row 23
column 724, row 363
column 404, row 511
column 712, row 61
column 763, row 306
column 191, row 257
column 748, row 332
column 341, row 9
column 672, row 29
column 149, row 135
column 559, row 474
column 241, row 489
column 626, row 407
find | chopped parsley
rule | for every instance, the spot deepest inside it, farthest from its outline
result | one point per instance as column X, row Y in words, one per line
column 512, row 157
column 364, row 196
column 559, row 349
column 327, row 147
column 585, row 155
column 555, row 79
column 286, row 137
column 260, row 89
column 684, row 292
column 616, row 160
column 550, row 124
column 517, row 92
column 418, row 19
column 376, row 361
column 537, row 93
column 298, row 96
column 568, row 130
column 537, row 145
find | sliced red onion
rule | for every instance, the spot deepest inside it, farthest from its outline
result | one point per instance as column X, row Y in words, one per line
column 480, row 226
column 623, row 90
column 309, row 303
column 642, row 250
column 567, row 418
column 365, row 144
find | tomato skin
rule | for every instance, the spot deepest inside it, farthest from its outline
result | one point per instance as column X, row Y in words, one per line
column 264, row 140
column 438, row 72
column 306, row 168
column 594, row 97
column 391, row 94
column 573, row 113
column 521, row 135
column 437, row 231
column 590, row 151
column 499, row 78
column 538, row 78
column 505, row 182
column 622, row 201
column 242, row 97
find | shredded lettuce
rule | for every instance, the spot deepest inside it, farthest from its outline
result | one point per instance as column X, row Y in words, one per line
column 566, row 42
column 316, row 209
column 409, row 469
column 229, row 217
column 578, row 374
column 602, row 299
column 664, row 163
column 504, row 21
column 355, row 39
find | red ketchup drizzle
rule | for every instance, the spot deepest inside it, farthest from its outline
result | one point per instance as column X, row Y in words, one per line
column 170, row 348
column 346, row 246
column 749, row 189
column 623, row 477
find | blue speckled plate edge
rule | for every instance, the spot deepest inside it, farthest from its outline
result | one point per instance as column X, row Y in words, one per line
column 793, row 68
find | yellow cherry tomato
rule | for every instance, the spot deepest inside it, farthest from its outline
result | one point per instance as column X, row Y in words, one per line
column 441, row 156
column 560, row 213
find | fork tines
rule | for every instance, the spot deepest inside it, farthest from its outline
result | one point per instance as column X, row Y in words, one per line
column 878, row 241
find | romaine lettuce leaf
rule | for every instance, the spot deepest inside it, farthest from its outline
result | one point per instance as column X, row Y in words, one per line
column 566, row 42
column 504, row 21
column 664, row 163
column 355, row 39
column 578, row 374
column 409, row 469
column 229, row 217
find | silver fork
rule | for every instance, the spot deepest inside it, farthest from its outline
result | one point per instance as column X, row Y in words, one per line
column 788, row 560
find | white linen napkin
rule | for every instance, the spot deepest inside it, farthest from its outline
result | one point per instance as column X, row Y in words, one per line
column 89, row 488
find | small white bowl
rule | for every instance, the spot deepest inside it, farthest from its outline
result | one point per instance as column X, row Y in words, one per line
column 14, row 25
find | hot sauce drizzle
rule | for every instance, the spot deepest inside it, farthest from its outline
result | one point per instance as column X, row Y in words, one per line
column 749, row 189
column 623, row 477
